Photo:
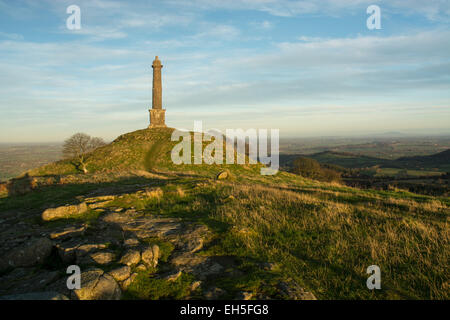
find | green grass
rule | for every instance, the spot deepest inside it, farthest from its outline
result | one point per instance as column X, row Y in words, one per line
column 147, row 287
column 390, row 172
column 50, row 195
column 322, row 235
column 327, row 245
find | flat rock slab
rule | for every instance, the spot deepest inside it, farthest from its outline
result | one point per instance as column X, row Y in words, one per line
column 121, row 274
column 84, row 249
column 23, row 280
column 64, row 211
column 100, row 257
column 153, row 227
column 68, row 233
column 131, row 257
column 201, row 267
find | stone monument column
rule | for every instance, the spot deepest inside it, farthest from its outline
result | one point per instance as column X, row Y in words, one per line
column 157, row 113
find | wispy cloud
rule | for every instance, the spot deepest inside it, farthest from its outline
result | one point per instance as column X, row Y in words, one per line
column 230, row 68
column 431, row 9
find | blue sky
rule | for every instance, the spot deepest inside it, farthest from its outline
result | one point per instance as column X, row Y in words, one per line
column 308, row 68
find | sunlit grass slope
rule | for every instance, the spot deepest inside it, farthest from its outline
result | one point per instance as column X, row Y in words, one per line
column 322, row 235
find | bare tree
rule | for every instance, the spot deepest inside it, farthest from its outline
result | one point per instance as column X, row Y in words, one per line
column 77, row 146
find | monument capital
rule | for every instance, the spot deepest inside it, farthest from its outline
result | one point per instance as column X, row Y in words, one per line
column 157, row 63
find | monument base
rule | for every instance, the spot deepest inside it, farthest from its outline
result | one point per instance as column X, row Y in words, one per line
column 157, row 118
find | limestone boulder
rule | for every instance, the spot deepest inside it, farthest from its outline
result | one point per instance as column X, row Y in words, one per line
column 97, row 285
column 151, row 255
column 243, row 295
column 121, row 274
column 222, row 175
column 67, row 233
column 101, row 204
column 196, row 285
column 129, row 281
column 100, row 257
column 27, row 255
column 87, row 248
column 64, row 211
column 174, row 276
column 132, row 242
column 131, row 257
column 141, row 267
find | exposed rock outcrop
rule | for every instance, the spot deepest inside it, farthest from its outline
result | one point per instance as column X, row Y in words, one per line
column 64, row 211
column 97, row 285
column 150, row 255
column 27, row 255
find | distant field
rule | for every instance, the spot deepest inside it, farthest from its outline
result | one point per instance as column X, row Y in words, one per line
column 389, row 172
column 418, row 172
column 18, row 158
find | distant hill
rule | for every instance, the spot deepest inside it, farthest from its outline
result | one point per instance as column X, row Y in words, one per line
column 350, row 160
column 344, row 159
column 435, row 160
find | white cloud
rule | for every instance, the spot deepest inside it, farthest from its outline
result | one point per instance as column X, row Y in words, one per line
column 431, row 9
column 11, row 36
column 262, row 25
column 97, row 33
column 370, row 51
column 218, row 32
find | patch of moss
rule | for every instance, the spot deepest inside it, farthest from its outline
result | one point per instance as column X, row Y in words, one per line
column 147, row 287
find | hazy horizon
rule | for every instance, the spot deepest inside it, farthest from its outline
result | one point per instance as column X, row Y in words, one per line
column 375, row 137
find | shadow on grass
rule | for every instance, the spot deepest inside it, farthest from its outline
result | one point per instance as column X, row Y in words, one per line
column 62, row 194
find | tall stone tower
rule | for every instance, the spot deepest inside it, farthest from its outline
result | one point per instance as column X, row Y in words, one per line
column 157, row 113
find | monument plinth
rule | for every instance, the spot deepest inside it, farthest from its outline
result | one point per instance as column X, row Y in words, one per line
column 157, row 113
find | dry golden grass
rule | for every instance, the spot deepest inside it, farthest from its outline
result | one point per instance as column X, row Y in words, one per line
column 324, row 235
column 327, row 243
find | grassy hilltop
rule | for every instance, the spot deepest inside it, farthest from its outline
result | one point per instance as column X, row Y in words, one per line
column 321, row 236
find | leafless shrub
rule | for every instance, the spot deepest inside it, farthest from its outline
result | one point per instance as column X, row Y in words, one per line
column 78, row 146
